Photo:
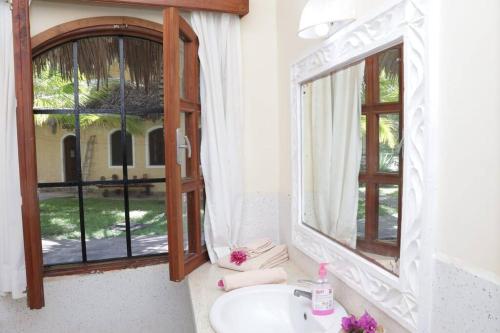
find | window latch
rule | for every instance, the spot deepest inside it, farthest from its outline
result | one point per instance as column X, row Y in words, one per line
column 182, row 143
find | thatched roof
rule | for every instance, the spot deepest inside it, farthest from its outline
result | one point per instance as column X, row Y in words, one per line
column 97, row 55
column 138, row 100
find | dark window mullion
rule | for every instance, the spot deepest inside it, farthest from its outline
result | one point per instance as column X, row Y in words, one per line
column 78, row 150
column 124, row 146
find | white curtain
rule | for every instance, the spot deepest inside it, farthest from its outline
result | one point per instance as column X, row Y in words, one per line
column 12, row 268
column 321, row 151
column 221, row 100
column 336, row 152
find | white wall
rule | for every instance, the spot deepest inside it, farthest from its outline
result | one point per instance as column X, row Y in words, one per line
column 133, row 300
column 261, row 144
column 468, row 120
column 465, row 77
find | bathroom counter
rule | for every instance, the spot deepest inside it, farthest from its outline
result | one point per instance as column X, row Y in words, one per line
column 204, row 291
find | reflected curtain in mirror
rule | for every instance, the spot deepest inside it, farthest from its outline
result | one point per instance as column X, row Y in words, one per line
column 331, row 142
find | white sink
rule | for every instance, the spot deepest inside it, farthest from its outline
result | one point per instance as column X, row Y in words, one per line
column 270, row 309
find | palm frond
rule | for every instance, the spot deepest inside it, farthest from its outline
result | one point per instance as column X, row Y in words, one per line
column 388, row 132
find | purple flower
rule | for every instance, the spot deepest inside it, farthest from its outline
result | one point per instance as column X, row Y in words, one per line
column 367, row 323
column 238, row 257
column 349, row 323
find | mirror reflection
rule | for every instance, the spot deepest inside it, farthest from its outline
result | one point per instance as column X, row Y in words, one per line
column 352, row 130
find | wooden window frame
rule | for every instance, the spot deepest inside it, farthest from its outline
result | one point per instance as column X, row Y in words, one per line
column 238, row 7
column 372, row 177
column 25, row 49
column 175, row 28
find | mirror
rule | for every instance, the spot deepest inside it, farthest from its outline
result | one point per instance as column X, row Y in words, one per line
column 351, row 136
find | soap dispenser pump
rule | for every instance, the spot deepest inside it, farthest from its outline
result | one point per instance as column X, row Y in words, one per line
column 322, row 294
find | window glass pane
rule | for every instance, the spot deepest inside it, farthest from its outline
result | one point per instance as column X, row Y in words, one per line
column 99, row 70
column 149, row 146
column 53, row 79
column 363, row 143
column 105, row 230
column 55, row 148
column 389, row 62
column 185, row 220
column 143, row 77
column 363, row 90
column 389, row 146
column 60, row 225
column 101, row 144
column 199, row 141
column 183, row 152
column 361, row 211
column 144, row 106
column 388, row 212
column 202, row 217
column 101, row 148
column 148, row 221
column 181, row 68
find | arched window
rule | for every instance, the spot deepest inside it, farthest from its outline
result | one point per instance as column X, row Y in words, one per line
column 116, row 148
column 120, row 80
column 156, row 147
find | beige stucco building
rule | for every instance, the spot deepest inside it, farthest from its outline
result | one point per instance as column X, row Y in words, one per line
column 55, row 153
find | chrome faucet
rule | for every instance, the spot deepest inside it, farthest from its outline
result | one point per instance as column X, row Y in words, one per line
column 302, row 293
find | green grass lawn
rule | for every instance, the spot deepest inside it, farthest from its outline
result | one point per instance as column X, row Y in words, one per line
column 60, row 218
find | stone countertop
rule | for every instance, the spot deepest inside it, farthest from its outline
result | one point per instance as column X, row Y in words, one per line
column 204, row 291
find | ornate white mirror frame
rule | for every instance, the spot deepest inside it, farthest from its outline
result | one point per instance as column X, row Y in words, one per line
column 401, row 21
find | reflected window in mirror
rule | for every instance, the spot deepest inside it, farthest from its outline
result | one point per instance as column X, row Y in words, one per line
column 352, row 130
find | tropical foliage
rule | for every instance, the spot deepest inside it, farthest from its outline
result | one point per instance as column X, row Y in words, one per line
column 52, row 91
column 388, row 124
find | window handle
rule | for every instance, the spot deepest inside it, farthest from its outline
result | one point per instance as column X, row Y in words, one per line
column 182, row 143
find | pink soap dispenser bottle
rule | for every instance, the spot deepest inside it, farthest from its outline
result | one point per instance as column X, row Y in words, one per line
column 322, row 294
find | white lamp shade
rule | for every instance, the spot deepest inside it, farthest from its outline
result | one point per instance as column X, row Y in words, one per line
column 322, row 18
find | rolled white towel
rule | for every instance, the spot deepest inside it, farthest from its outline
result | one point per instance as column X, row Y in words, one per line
column 253, row 278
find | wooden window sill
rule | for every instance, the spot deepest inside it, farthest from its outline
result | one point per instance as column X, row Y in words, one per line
column 103, row 266
column 192, row 261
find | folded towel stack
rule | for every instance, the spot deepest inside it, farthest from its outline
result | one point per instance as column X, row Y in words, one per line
column 256, row 248
column 259, row 254
column 252, row 278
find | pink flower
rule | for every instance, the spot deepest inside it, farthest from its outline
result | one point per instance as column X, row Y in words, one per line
column 238, row 257
column 367, row 323
column 349, row 323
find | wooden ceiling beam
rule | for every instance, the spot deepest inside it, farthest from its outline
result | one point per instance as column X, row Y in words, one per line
column 239, row 7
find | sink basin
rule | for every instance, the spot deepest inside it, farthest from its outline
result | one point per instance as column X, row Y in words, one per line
column 270, row 309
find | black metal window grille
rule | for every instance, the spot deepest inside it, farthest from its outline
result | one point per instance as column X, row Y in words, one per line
column 125, row 140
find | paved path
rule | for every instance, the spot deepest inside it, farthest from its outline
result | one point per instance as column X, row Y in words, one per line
column 69, row 250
